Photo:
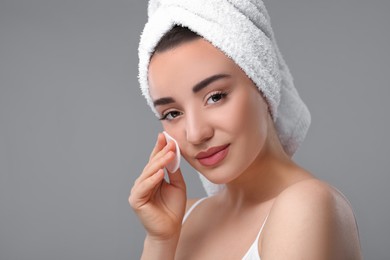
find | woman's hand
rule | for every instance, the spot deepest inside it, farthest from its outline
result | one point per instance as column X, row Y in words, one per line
column 160, row 205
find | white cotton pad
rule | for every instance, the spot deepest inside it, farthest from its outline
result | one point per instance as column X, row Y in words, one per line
column 174, row 165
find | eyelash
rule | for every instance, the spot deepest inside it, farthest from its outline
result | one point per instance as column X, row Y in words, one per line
column 165, row 115
column 221, row 94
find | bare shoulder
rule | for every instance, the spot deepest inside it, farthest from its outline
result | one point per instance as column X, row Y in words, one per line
column 311, row 194
column 311, row 220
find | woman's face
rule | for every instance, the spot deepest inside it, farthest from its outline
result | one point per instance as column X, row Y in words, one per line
column 209, row 105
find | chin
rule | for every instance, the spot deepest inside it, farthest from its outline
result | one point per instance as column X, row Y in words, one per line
column 221, row 174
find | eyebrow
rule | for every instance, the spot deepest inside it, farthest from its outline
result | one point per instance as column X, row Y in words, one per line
column 163, row 101
column 198, row 87
column 207, row 81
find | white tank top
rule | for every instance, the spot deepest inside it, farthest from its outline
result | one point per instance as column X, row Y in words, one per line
column 253, row 252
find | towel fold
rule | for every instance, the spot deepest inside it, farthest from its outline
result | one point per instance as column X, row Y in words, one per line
column 242, row 30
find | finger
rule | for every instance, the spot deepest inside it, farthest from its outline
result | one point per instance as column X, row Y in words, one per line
column 158, row 162
column 176, row 179
column 160, row 143
column 161, row 162
column 170, row 146
column 157, row 156
column 155, row 165
column 141, row 193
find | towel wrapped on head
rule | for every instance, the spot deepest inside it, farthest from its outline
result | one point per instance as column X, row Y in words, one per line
column 242, row 30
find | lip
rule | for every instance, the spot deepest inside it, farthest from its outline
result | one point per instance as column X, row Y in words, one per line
column 213, row 155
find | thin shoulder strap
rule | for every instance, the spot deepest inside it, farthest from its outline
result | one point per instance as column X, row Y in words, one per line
column 192, row 208
column 261, row 229
column 253, row 252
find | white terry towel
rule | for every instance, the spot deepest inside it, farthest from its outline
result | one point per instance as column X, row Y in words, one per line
column 242, row 30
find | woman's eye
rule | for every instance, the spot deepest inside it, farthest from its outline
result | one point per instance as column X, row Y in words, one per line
column 214, row 98
column 170, row 115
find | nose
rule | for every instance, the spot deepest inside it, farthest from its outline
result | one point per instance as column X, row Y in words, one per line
column 198, row 129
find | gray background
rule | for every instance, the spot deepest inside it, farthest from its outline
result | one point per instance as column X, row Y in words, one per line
column 75, row 131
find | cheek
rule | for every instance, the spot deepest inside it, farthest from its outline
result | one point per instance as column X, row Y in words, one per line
column 247, row 126
column 244, row 115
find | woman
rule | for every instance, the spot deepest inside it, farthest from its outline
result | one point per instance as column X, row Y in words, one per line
column 212, row 72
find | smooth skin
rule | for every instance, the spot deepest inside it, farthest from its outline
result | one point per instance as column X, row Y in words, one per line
column 307, row 218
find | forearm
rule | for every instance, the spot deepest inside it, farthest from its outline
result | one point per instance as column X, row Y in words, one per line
column 156, row 249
